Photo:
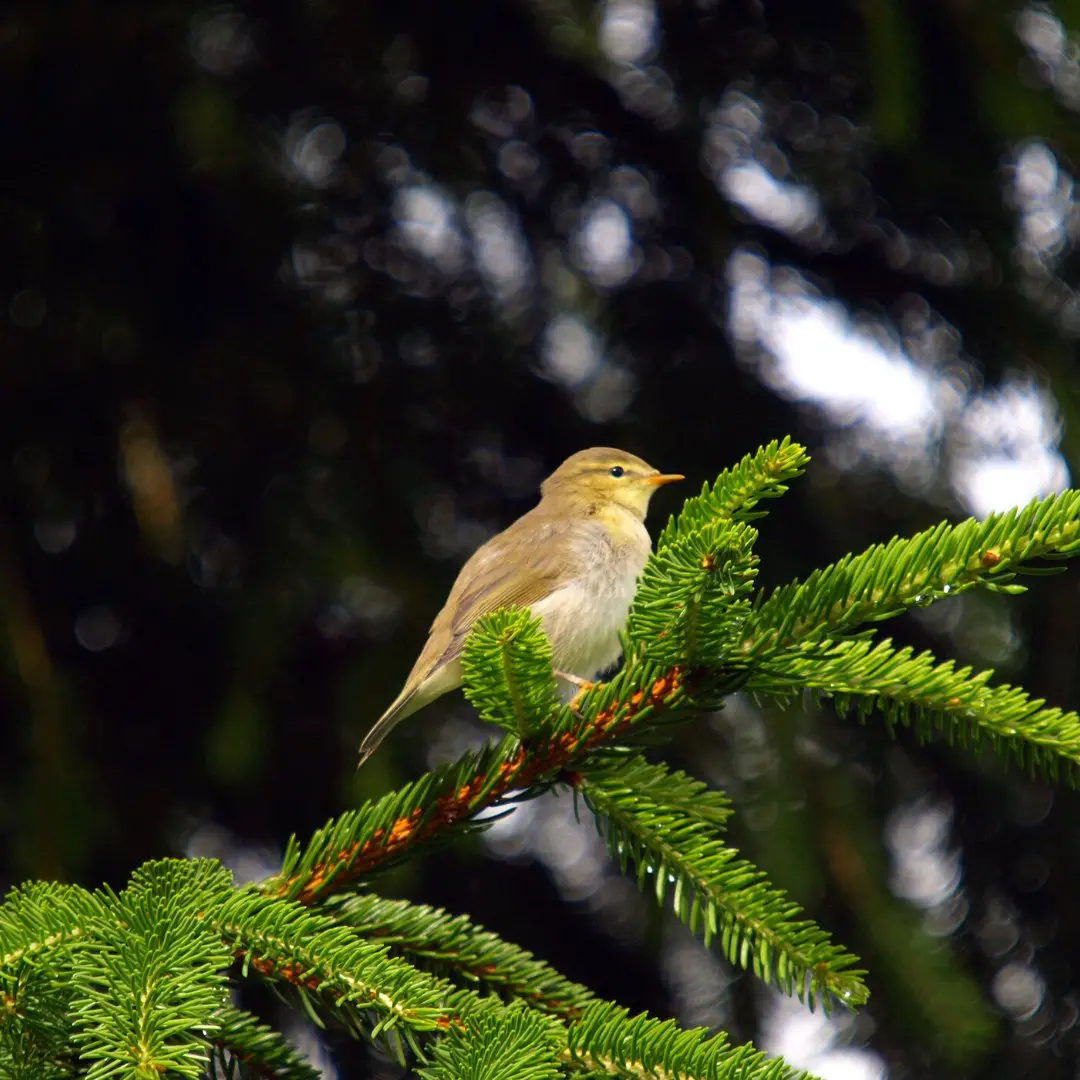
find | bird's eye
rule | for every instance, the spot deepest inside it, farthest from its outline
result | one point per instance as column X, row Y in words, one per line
column 617, row 471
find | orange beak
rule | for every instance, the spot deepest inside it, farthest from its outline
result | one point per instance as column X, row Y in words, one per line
column 666, row 478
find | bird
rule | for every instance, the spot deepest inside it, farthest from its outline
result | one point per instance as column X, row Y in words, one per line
column 573, row 560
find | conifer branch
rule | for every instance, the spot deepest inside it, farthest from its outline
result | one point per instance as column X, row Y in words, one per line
column 626, row 774
column 35, row 1025
column 610, row 1042
column 41, row 925
column 134, row 984
column 887, row 579
column 241, row 1040
column 507, row 672
column 150, row 979
column 448, row 800
column 41, row 917
column 332, row 973
column 513, row 1044
column 692, row 598
column 931, row 697
column 452, row 945
column 332, row 969
column 681, row 854
column 738, row 490
column 693, row 593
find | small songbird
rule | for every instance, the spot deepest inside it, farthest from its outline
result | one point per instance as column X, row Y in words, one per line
column 573, row 560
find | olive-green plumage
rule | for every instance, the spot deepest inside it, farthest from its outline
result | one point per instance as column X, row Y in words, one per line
column 573, row 560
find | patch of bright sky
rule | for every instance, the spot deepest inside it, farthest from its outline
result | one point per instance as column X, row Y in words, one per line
column 788, row 208
column 998, row 447
column 925, row 869
column 812, row 1041
column 821, row 355
column 573, row 354
column 603, row 246
column 736, row 139
column 629, row 36
column 1043, row 193
column 571, row 351
column 1001, row 445
column 1007, row 454
column 1019, row 989
column 697, row 979
column 315, row 149
column 499, row 247
column 1055, row 56
column 628, row 30
column 221, row 43
column 425, row 217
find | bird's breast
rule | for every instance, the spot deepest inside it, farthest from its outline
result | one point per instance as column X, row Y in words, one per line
column 584, row 617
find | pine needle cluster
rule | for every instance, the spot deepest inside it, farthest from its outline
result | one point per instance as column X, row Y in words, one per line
column 137, row 983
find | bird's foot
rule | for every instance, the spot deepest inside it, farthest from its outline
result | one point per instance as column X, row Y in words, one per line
column 575, row 680
column 583, row 685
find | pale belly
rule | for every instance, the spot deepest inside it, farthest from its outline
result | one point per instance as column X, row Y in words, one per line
column 583, row 619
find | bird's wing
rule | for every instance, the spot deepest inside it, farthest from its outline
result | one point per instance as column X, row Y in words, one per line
column 516, row 568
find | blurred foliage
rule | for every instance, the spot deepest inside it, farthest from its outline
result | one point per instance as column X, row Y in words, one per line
column 300, row 301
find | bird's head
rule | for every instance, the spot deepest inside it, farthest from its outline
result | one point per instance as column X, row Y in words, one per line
column 600, row 478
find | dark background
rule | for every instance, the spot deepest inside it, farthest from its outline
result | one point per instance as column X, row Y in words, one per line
column 299, row 302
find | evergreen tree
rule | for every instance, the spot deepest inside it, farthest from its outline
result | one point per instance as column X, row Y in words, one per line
column 136, row 983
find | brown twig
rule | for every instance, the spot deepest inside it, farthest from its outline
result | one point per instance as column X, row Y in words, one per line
column 481, row 792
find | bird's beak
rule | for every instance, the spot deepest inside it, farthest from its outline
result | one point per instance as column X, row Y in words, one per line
column 665, row 478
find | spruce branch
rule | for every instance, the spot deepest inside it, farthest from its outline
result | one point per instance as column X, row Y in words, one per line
column 150, row 978
column 35, row 1026
column 448, row 800
column 693, row 593
column 737, row 491
column 333, row 971
column 243, row 1045
column 931, row 697
column 134, row 984
column 690, row 625
column 610, row 1042
column 693, row 596
column 42, row 925
column 627, row 773
column 40, row 918
column 681, row 854
column 514, row 1044
column 326, row 967
column 454, row 946
column 507, row 672
column 887, row 579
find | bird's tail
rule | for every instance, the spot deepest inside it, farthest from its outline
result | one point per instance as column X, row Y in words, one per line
column 398, row 710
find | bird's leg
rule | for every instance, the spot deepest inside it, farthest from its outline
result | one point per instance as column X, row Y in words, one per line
column 583, row 685
column 575, row 680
